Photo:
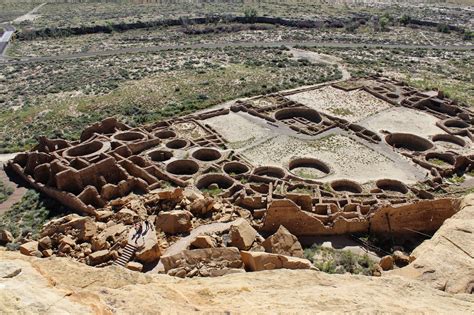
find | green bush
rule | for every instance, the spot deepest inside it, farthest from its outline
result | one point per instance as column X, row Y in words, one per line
column 30, row 214
column 331, row 260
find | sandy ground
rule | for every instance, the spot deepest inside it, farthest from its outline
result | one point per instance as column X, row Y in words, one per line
column 238, row 130
column 352, row 106
column 346, row 157
column 401, row 119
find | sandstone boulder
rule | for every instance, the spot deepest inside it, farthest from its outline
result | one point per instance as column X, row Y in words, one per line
column 5, row 237
column 29, row 248
column 45, row 243
column 203, row 241
column 135, row 266
column 174, row 222
column 203, row 262
column 126, row 216
column 400, row 259
column 152, row 248
column 284, row 243
column 258, row 261
column 99, row 257
column 242, row 235
column 112, row 233
column 202, row 206
column 47, row 253
column 386, row 263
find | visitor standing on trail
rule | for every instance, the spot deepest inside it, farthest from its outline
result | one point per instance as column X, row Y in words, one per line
column 147, row 227
column 138, row 231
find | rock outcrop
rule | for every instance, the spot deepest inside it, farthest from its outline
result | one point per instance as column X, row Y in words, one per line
column 174, row 222
column 258, row 261
column 284, row 243
column 445, row 261
column 208, row 262
column 242, row 235
column 29, row 290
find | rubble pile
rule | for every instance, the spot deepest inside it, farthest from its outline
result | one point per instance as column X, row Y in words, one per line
column 171, row 215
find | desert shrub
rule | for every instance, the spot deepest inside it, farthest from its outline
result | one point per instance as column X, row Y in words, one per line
column 30, row 214
column 331, row 260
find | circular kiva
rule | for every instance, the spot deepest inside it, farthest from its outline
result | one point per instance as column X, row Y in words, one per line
column 235, row 168
column 206, row 154
column 392, row 95
column 309, row 166
column 456, row 124
column 298, row 112
column 129, row 136
column 438, row 158
column 391, row 185
column 160, row 155
column 87, row 150
column 177, row 144
column 408, row 141
column 222, row 181
column 165, row 134
column 449, row 138
column 345, row 185
column 182, row 167
column 270, row 171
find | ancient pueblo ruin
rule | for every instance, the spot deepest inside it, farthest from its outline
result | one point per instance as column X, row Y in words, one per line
column 233, row 188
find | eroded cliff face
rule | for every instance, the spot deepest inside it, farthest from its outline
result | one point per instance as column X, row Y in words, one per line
column 60, row 285
column 438, row 281
column 446, row 261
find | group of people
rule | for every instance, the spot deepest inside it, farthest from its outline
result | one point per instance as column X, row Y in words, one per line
column 141, row 229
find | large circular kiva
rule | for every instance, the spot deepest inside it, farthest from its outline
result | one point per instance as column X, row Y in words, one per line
column 235, row 168
column 220, row 180
column 160, row 155
column 298, row 112
column 391, row 185
column 309, row 168
column 270, row 171
column 345, row 185
column 206, row 154
column 177, row 144
column 87, row 150
column 182, row 167
column 128, row 136
column 165, row 134
column 408, row 141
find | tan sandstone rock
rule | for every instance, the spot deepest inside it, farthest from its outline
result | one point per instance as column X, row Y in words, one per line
column 284, row 243
column 278, row 291
column 152, row 249
column 202, row 206
column 174, row 222
column 386, row 262
column 204, row 262
column 203, row 241
column 445, row 261
column 135, row 266
column 5, row 237
column 29, row 248
column 99, row 257
column 242, row 235
column 258, row 261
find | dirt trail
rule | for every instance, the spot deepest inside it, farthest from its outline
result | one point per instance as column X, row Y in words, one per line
column 30, row 16
column 321, row 58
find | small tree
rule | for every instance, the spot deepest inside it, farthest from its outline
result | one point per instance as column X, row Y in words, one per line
column 405, row 19
column 250, row 13
column 443, row 28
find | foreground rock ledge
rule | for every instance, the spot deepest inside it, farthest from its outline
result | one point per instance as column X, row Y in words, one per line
column 60, row 285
